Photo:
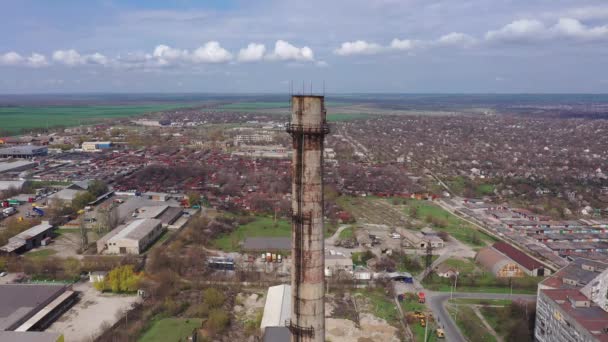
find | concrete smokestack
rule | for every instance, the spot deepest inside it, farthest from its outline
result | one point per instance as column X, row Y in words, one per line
column 308, row 128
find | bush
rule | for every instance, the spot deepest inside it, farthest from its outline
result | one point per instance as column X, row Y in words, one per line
column 120, row 279
column 218, row 321
column 213, row 297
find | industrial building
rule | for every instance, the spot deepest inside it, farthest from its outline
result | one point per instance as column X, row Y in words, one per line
column 95, row 146
column 168, row 215
column 277, row 311
column 16, row 166
column 133, row 238
column 32, row 307
column 28, row 239
column 499, row 264
column 26, row 151
column 11, row 184
column 504, row 260
column 65, row 195
column 572, row 305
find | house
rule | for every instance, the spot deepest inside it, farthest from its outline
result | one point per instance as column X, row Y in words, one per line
column 337, row 264
column 446, row 271
column 529, row 265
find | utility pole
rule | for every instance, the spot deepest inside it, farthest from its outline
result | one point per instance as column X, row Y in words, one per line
column 426, row 327
column 83, row 234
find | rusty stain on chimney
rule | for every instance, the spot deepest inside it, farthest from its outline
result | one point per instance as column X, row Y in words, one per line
column 308, row 128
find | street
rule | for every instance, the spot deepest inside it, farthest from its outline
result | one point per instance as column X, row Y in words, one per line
column 437, row 300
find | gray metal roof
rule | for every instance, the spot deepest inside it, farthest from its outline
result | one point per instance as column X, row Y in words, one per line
column 277, row 334
column 35, row 230
column 8, row 166
column 137, row 229
column 29, row 336
column 262, row 244
column 25, row 149
column 21, row 300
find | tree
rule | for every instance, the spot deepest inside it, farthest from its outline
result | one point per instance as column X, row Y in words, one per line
column 82, row 199
column 194, row 198
column 121, row 279
column 97, row 188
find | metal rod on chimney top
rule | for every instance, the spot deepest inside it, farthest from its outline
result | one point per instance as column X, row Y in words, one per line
column 308, row 128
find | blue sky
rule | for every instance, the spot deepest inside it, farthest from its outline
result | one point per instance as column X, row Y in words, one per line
column 409, row 46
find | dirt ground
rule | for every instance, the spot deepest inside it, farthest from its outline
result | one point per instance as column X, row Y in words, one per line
column 371, row 329
column 85, row 320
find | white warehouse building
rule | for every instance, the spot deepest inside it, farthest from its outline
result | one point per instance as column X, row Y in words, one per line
column 133, row 238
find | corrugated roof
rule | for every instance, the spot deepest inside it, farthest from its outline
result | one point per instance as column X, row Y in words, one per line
column 267, row 244
column 518, row 256
column 136, row 229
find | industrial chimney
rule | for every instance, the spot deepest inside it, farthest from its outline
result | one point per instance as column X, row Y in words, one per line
column 308, row 128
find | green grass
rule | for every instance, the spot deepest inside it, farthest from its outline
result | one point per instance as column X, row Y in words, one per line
column 442, row 220
column 261, row 227
column 470, row 325
column 418, row 331
column 476, row 301
column 480, row 289
column 484, row 189
column 40, row 254
column 381, row 306
column 18, row 119
column 462, row 265
column 347, row 233
column 338, row 117
column 170, row 329
column 270, row 105
column 62, row 231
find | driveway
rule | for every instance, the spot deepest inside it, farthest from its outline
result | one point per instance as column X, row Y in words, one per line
column 437, row 300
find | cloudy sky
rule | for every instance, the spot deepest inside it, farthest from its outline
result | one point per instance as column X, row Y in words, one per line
column 408, row 46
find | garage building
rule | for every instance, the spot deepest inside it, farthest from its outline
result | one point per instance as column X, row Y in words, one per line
column 133, row 238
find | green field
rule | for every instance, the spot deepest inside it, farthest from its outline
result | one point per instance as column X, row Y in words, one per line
column 21, row 119
column 261, row 227
column 442, row 220
column 347, row 233
column 270, row 105
column 171, row 329
column 337, row 117
column 462, row 265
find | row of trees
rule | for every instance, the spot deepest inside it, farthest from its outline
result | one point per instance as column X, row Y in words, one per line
column 122, row 279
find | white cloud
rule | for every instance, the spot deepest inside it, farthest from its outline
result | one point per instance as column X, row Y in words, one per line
column 457, row 39
column 73, row 58
column 168, row 53
column 284, row 51
column 519, row 30
column 253, row 52
column 359, row 47
column 581, row 13
column 322, row 64
column 534, row 30
column 37, row 60
column 573, row 28
column 11, row 58
column 211, row 52
column 405, row 44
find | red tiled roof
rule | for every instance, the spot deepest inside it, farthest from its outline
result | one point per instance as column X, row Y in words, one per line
column 517, row 255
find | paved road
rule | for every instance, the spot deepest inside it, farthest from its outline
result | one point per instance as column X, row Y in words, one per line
column 437, row 301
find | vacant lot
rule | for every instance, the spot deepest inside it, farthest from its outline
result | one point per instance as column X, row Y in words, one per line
column 171, row 329
column 93, row 313
column 428, row 213
column 260, row 227
column 17, row 119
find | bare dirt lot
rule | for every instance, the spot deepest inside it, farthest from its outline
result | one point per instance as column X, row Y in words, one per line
column 85, row 320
